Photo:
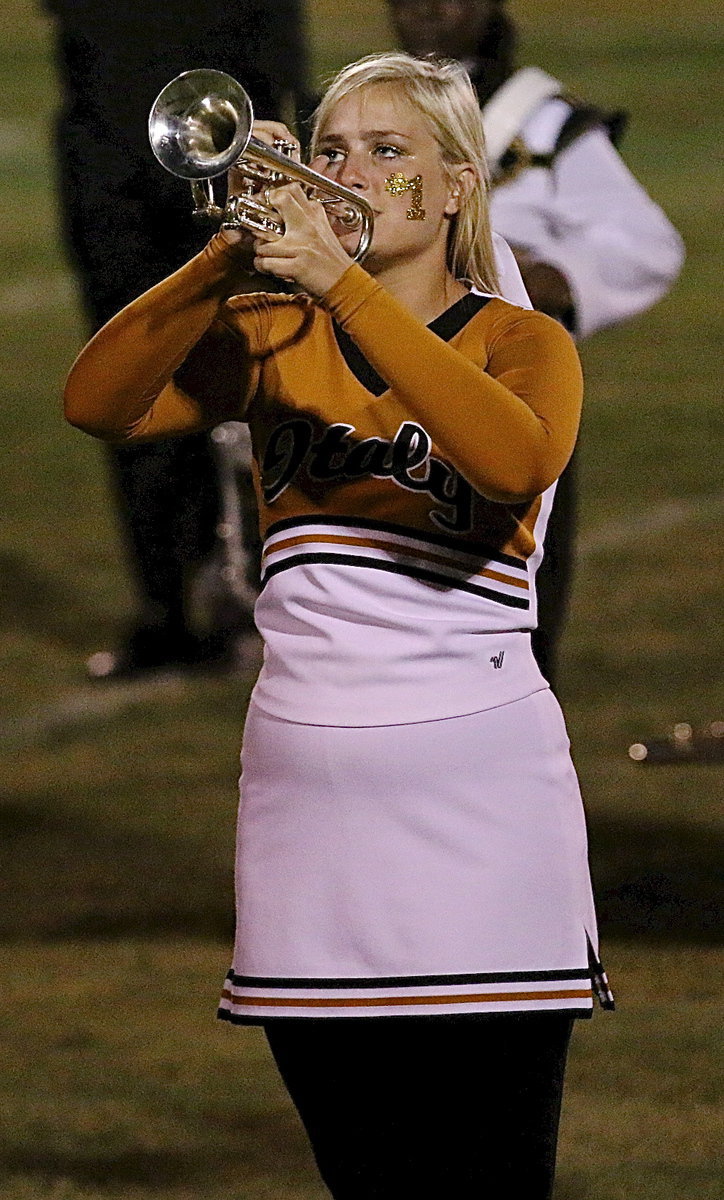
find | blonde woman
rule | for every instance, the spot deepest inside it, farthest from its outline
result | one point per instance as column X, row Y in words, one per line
column 415, row 927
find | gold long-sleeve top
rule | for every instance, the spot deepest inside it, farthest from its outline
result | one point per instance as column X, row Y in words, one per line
column 425, row 455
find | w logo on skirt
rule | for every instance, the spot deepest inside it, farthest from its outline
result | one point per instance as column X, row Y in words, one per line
column 497, row 660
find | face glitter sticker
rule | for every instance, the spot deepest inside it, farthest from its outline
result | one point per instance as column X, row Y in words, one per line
column 398, row 184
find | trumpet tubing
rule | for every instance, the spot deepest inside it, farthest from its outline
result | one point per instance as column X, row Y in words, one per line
column 200, row 126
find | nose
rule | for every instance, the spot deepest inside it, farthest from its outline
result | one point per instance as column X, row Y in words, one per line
column 352, row 173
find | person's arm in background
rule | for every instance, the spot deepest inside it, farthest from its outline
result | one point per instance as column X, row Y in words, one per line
column 593, row 247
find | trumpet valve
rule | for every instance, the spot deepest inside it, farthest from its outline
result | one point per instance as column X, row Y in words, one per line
column 344, row 213
column 284, row 147
column 246, row 212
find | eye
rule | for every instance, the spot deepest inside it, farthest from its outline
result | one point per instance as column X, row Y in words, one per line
column 387, row 150
column 331, row 154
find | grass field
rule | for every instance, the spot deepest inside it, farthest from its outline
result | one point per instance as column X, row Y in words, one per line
column 118, row 813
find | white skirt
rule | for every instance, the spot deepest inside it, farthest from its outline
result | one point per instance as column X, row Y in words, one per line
column 406, row 870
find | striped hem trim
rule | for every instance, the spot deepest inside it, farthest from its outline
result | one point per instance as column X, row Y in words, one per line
column 576, row 974
column 477, row 550
column 556, row 991
column 271, row 1018
column 501, row 579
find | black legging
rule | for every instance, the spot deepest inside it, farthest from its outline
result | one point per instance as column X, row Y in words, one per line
column 420, row 1108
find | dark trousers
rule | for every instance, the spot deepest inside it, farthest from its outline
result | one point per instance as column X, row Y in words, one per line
column 428, row 1108
column 127, row 224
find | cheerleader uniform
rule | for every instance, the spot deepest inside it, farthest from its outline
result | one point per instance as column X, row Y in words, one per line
column 411, row 836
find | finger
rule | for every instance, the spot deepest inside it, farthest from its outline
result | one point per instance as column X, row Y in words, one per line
column 292, row 203
column 320, row 164
column 274, row 131
column 275, row 249
column 288, row 191
column 267, row 264
column 239, row 238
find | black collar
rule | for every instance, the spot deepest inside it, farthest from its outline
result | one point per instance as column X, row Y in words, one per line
column 445, row 326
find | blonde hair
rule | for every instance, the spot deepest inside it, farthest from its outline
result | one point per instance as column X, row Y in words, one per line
column 441, row 91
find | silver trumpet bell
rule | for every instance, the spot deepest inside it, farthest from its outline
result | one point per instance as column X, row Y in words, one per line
column 200, row 125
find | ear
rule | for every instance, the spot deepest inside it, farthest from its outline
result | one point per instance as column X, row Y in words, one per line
column 463, row 178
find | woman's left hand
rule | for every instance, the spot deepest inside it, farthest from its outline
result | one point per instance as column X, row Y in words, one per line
column 308, row 254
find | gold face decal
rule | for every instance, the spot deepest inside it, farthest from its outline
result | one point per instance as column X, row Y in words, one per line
column 398, row 184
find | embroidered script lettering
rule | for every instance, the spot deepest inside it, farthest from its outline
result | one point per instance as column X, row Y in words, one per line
column 406, row 459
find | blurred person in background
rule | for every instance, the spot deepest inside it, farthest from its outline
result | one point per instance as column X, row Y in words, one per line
column 127, row 224
column 593, row 248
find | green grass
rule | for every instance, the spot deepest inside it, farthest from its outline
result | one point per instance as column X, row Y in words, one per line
column 117, row 827
column 120, row 1084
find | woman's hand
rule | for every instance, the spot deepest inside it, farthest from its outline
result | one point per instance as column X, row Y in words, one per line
column 309, row 254
column 268, row 132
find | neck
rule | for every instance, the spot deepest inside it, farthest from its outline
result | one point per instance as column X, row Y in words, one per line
column 425, row 289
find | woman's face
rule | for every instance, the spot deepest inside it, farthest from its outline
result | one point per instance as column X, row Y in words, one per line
column 371, row 135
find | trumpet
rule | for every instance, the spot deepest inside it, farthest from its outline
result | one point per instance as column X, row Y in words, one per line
column 200, row 125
